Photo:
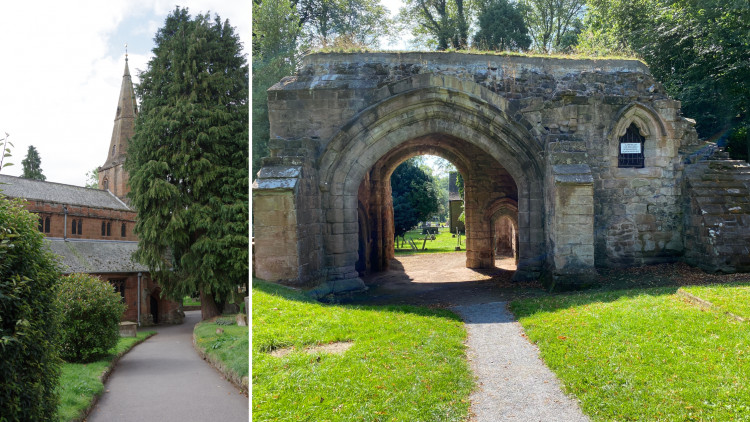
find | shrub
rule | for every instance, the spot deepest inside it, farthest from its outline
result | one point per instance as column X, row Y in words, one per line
column 29, row 362
column 90, row 317
column 737, row 144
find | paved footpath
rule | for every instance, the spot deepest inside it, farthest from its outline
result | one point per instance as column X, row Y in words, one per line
column 163, row 379
column 513, row 384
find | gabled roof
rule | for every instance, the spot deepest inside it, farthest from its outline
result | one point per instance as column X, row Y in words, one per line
column 95, row 256
column 36, row 190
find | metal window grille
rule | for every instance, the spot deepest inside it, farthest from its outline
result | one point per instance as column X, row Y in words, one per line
column 631, row 141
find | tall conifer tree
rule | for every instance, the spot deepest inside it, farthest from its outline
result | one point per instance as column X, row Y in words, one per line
column 32, row 165
column 188, row 160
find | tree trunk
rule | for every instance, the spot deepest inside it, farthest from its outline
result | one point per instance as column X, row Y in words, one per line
column 209, row 309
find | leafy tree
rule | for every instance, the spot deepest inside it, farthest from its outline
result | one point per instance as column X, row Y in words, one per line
column 554, row 24
column 32, row 165
column 442, row 24
column 276, row 28
column 699, row 50
column 29, row 361
column 188, row 161
column 343, row 23
column 92, row 178
column 501, row 27
column 415, row 196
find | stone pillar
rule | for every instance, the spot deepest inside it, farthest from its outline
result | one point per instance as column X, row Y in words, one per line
column 572, row 225
column 276, row 256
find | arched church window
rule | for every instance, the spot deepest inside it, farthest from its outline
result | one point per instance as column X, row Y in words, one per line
column 109, row 229
column 631, row 149
column 41, row 224
column 105, row 184
column 122, row 230
column 74, row 226
column 104, row 228
column 46, row 224
column 80, row 226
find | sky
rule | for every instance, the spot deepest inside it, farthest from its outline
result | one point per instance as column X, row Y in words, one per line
column 61, row 67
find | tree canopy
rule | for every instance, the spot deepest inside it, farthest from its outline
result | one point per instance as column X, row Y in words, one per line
column 32, row 165
column 502, row 27
column 415, row 196
column 188, row 160
column 441, row 24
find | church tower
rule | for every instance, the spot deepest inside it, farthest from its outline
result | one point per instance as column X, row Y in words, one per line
column 112, row 175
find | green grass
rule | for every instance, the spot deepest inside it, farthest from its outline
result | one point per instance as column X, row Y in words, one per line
column 189, row 301
column 230, row 348
column 734, row 298
column 643, row 354
column 79, row 382
column 444, row 242
column 405, row 363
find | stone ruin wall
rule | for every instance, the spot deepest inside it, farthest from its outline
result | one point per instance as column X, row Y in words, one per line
column 575, row 109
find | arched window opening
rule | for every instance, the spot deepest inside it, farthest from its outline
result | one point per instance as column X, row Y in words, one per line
column 74, row 226
column 105, row 184
column 80, row 226
column 46, row 224
column 631, row 149
column 104, row 228
column 122, row 230
column 109, row 229
column 41, row 224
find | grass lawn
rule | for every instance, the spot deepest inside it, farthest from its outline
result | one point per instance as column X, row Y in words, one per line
column 229, row 348
column 643, row 354
column 189, row 301
column 405, row 363
column 734, row 298
column 444, row 242
column 79, row 382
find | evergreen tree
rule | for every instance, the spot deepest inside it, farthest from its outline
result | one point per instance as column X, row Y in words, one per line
column 32, row 165
column 188, row 161
column 501, row 27
column 415, row 196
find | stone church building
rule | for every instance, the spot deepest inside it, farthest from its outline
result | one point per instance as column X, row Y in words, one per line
column 91, row 230
column 574, row 164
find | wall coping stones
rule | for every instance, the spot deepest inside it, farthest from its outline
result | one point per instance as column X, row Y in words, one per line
column 281, row 178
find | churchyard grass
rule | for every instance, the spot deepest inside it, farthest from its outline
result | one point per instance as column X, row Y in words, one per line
column 444, row 242
column 189, row 301
column 231, row 347
column 734, row 298
column 80, row 382
column 403, row 363
column 644, row 354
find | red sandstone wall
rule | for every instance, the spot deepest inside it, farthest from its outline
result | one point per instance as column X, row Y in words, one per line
column 92, row 220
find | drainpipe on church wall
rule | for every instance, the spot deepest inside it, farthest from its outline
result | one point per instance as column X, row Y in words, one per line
column 65, row 224
column 139, row 298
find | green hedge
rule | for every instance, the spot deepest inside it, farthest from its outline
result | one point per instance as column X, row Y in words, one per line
column 90, row 317
column 29, row 364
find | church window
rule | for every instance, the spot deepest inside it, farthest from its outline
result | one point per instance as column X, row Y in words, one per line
column 74, row 226
column 122, row 230
column 80, row 226
column 46, row 224
column 41, row 224
column 631, row 149
column 109, row 229
column 105, row 184
column 119, row 285
column 104, row 228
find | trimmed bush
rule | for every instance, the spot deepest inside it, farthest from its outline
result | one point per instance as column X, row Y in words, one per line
column 29, row 363
column 90, row 311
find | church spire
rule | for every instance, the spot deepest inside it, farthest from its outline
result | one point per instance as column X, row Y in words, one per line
column 111, row 174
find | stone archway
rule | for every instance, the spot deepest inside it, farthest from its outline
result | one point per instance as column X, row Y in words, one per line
column 479, row 137
column 543, row 126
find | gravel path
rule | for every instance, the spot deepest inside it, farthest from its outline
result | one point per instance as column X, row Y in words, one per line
column 513, row 384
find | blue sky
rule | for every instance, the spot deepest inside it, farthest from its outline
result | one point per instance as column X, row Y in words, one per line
column 61, row 66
